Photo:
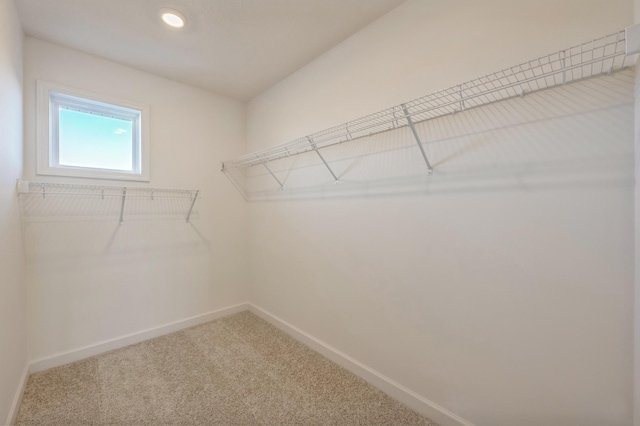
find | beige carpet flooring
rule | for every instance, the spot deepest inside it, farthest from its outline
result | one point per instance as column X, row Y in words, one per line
column 238, row 370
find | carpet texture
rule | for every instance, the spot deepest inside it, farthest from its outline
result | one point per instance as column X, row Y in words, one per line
column 238, row 370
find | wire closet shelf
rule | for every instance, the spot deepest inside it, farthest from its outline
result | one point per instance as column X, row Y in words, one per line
column 601, row 56
column 187, row 197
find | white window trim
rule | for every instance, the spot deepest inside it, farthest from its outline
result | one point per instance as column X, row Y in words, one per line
column 46, row 117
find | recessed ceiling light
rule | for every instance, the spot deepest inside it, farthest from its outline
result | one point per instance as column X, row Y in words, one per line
column 172, row 18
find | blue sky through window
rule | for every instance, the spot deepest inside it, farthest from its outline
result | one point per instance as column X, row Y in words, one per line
column 88, row 140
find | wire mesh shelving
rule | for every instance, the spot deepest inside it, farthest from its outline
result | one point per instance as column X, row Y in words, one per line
column 114, row 201
column 601, row 56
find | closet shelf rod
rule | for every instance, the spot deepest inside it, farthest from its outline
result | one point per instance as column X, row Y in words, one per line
column 95, row 194
column 64, row 189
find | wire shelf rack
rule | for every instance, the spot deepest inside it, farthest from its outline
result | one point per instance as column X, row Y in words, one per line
column 119, row 201
column 601, row 56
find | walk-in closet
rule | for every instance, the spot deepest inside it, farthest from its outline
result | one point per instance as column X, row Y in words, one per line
column 319, row 212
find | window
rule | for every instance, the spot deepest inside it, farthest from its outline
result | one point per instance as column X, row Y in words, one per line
column 82, row 134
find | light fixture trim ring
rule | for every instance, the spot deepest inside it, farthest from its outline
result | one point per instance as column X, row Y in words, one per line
column 173, row 18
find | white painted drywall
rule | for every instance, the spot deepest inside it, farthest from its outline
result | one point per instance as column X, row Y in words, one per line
column 508, row 305
column 637, row 256
column 91, row 280
column 636, row 334
column 13, row 328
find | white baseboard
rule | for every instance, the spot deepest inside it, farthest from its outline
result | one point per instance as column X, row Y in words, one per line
column 417, row 402
column 120, row 342
column 408, row 397
column 17, row 399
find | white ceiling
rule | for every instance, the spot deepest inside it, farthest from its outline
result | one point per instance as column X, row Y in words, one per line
column 238, row 48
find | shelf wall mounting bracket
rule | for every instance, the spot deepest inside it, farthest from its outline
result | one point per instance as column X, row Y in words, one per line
column 193, row 202
column 415, row 135
column 563, row 60
column 264, row 163
column 632, row 39
column 22, row 186
column 315, row 148
column 124, row 197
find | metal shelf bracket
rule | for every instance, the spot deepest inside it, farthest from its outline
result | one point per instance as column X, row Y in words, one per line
column 315, row 148
column 417, row 138
column 264, row 163
column 193, row 202
column 124, row 197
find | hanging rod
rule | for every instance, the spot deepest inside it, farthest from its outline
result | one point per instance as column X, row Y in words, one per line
column 45, row 189
column 601, row 56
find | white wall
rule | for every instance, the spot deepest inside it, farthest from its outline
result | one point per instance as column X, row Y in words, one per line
column 13, row 340
column 506, row 305
column 636, row 398
column 90, row 280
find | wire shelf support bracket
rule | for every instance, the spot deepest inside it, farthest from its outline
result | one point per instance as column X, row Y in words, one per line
column 264, row 163
column 193, row 203
column 601, row 56
column 632, row 39
column 124, row 197
column 417, row 137
column 315, row 148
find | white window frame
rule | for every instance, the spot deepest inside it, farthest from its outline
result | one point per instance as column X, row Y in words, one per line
column 50, row 96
